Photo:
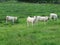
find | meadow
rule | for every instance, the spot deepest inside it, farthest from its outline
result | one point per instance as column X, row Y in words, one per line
column 19, row 33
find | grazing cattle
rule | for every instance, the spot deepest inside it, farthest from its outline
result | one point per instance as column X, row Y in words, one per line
column 31, row 20
column 11, row 18
column 53, row 16
column 42, row 18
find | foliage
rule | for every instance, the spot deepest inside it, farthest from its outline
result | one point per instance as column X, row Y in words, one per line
column 33, row 1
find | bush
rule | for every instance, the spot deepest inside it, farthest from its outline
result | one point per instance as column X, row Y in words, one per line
column 40, row 1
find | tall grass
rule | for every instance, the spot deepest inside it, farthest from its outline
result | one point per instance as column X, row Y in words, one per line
column 20, row 34
column 25, row 9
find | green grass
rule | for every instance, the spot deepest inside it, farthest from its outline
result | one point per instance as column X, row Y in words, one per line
column 20, row 34
column 26, row 9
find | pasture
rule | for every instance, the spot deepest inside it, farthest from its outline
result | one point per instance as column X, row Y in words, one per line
column 20, row 34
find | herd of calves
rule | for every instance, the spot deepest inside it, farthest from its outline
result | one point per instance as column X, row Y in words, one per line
column 34, row 18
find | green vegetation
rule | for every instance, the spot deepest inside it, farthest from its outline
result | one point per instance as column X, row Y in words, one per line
column 20, row 34
column 21, row 9
column 34, row 1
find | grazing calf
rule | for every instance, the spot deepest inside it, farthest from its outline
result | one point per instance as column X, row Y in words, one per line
column 53, row 16
column 42, row 18
column 31, row 20
column 11, row 18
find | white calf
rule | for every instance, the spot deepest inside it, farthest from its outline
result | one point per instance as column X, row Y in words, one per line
column 53, row 16
column 11, row 18
column 42, row 18
column 31, row 20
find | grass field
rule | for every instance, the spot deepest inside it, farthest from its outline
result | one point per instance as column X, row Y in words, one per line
column 20, row 34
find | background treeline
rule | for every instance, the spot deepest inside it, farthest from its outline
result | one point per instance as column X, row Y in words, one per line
column 41, row 1
column 34, row 1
